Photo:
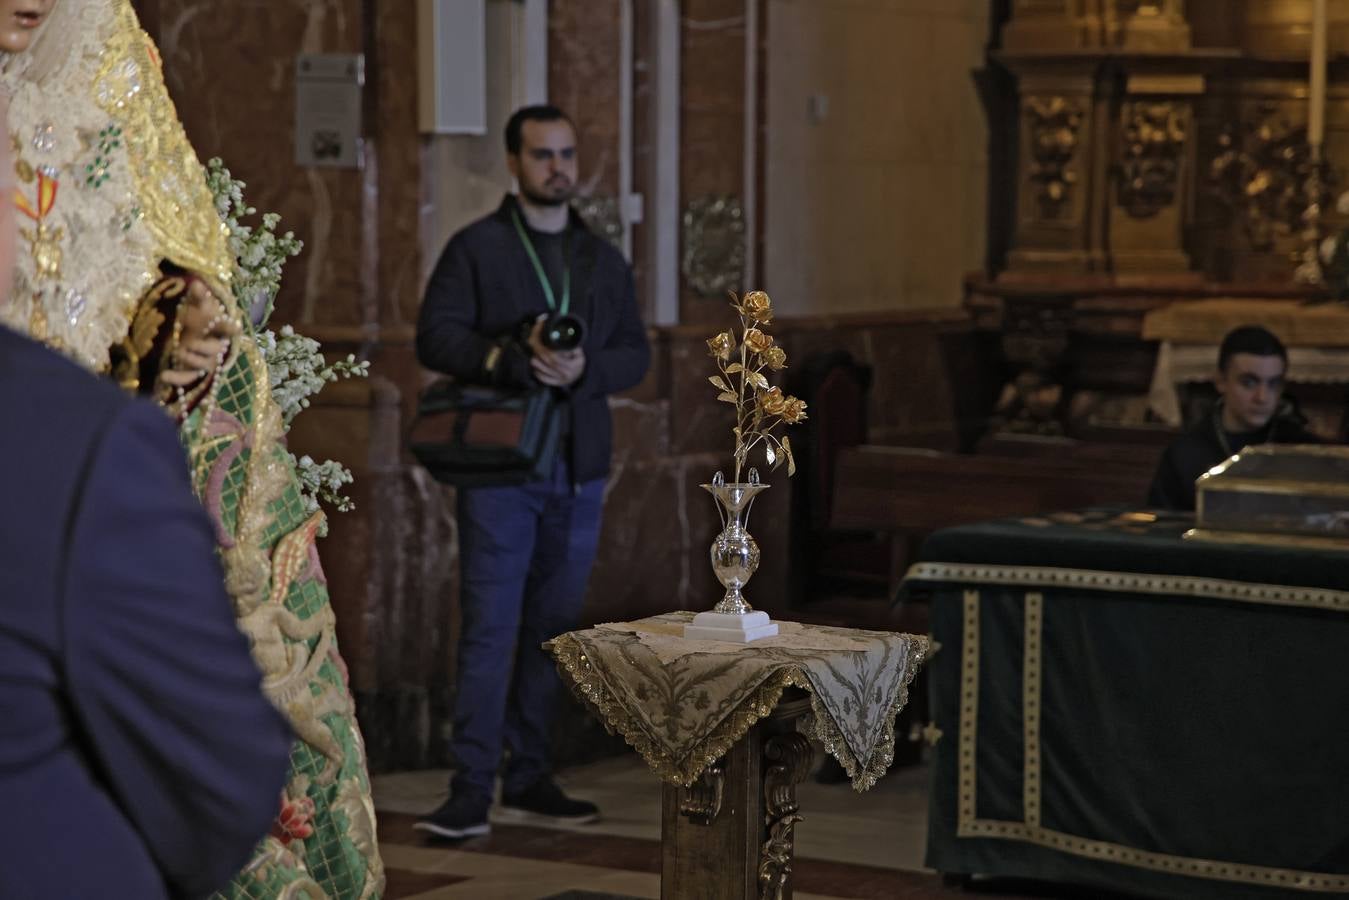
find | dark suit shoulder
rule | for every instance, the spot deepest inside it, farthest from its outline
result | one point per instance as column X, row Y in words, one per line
column 43, row 389
column 55, row 415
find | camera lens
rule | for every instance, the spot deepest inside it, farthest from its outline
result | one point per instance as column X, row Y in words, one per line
column 563, row 333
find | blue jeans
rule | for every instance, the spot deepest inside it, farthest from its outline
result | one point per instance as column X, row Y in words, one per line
column 525, row 554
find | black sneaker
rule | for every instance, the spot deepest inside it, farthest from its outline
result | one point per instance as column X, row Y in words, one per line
column 461, row 816
column 544, row 798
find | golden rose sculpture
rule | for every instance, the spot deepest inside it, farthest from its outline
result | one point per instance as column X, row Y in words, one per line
column 759, row 408
column 760, row 411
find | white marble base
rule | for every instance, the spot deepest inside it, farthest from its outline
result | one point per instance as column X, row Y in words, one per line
column 739, row 629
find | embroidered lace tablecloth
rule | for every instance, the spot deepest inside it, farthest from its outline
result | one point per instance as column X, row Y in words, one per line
column 682, row 704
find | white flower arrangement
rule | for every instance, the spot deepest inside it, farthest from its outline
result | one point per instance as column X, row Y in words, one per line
column 260, row 252
column 323, row 482
column 295, row 363
column 299, row 370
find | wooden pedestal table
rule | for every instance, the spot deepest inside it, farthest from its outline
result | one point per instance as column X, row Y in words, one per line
column 727, row 728
column 730, row 833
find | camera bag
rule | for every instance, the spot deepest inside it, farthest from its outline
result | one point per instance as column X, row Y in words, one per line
column 477, row 436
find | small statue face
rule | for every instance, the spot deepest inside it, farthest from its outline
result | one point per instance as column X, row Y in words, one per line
column 19, row 21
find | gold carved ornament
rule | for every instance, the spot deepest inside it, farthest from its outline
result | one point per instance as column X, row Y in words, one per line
column 1154, row 136
column 714, row 244
column 701, row 803
column 1263, row 174
column 787, row 758
column 1054, row 123
column 602, row 215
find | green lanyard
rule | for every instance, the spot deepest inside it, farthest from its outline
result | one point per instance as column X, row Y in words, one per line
column 538, row 269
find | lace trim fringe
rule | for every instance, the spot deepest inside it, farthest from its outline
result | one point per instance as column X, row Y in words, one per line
column 589, row 687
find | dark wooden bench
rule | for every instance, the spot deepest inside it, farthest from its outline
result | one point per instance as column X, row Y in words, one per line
column 913, row 492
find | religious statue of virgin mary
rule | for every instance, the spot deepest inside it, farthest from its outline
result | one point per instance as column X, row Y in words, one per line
column 123, row 264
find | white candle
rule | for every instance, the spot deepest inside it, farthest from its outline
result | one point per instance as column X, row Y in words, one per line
column 1316, row 113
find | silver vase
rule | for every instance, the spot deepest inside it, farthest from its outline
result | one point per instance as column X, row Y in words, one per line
column 735, row 555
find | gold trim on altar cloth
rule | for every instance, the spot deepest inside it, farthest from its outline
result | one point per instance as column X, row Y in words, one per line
column 1030, row 693
column 1129, row 583
column 969, row 825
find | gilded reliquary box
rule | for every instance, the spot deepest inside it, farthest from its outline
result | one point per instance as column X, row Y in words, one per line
column 1277, row 493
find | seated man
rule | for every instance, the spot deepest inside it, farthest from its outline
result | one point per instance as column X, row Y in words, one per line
column 1252, row 363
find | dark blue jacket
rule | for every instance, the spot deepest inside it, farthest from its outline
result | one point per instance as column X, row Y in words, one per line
column 484, row 287
column 138, row 756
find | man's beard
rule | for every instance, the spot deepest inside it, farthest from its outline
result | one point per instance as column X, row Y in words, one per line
column 539, row 198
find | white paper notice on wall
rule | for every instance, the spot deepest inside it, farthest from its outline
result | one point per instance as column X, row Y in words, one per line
column 328, row 106
column 452, row 66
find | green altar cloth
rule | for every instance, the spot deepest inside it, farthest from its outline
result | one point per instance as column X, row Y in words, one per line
column 1116, row 707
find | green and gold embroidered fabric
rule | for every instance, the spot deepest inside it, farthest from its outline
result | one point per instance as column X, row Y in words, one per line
column 682, row 704
column 322, row 844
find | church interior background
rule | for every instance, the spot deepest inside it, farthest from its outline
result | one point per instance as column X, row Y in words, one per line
column 971, row 215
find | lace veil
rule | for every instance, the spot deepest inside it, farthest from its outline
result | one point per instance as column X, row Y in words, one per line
column 108, row 186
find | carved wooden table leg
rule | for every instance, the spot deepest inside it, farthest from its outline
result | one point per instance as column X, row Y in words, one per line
column 729, row 836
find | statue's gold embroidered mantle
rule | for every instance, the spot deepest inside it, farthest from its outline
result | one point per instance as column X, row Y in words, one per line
column 118, row 186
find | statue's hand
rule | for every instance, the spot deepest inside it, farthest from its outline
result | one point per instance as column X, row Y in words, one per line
column 203, row 338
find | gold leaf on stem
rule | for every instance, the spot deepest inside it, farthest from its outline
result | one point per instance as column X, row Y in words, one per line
column 727, row 396
column 757, row 379
column 717, row 382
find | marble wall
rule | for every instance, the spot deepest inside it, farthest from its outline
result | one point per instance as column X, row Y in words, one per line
column 584, row 62
column 712, row 125
column 876, row 153
column 464, row 176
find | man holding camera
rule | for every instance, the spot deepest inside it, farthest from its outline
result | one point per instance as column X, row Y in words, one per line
column 523, row 297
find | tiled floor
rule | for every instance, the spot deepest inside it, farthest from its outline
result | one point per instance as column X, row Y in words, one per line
column 849, row 846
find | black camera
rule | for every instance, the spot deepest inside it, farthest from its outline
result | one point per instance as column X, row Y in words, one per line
column 562, row 332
